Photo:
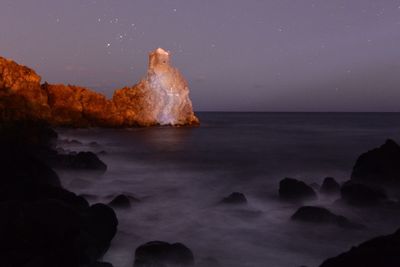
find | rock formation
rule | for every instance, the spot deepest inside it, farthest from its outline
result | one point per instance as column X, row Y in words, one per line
column 295, row 190
column 320, row 215
column 160, row 98
column 379, row 166
column 380, row 251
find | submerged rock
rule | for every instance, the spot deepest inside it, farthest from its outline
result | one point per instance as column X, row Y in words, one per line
column 79, row 161
column 330, row 186
column 380, row 165
column 162, row 254
column 321, row 215
column 161, row 98
column 381, row 251
column 120, row 201
column 234, row 198
column 361, row 195
column 295, row 190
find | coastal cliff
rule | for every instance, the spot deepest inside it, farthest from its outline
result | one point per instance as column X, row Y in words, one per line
column 160, row 98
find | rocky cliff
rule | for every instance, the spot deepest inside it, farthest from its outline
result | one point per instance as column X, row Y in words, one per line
column 160, row 98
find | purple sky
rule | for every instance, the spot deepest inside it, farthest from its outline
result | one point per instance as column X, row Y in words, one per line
column 253, row 55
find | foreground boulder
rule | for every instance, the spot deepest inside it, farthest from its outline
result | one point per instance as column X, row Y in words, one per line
column 235, row 198
column 295, row 190
column 160, row 98
column 319, row 215
column 120, row 201
column 162, row 254
column 361, row 195
column 380, row 165
column 383, row 251
column 330, row 186
column 43, row 224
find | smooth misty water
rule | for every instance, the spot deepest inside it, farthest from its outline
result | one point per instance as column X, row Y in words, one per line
column 181, row 173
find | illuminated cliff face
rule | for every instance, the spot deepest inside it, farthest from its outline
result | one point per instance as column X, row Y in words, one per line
column 166, row 91
column 160, row 98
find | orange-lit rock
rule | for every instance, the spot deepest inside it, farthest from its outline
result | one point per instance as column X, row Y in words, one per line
column 21, row 97
column 161, row 98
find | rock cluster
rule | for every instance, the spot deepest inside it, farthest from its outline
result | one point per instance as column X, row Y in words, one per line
column 43, row 224
column 161, row 98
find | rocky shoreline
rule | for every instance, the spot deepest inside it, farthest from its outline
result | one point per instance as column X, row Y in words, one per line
column 46, row 225
column 160, row 98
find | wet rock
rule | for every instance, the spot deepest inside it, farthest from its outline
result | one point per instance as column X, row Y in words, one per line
column 361, row 195
column 70, row 142
column 43, row 224
column 380, row 251
column 102, row 226
column 161, row 254
column 121, row 201
column 295, row 190
column 330, row 186
column 79, row 161
column 380, row 165
column 234, row 198
column 320, row 215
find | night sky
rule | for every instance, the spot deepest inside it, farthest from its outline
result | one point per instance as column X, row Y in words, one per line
column 253, row 55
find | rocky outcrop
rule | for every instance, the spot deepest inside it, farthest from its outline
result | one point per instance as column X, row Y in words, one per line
column 320, row 215
column 21, row 96
column 380, row 251
column 295, row 190
column 43, row 224
column 160, row 98
column 235, row 198
column 330, row 186
column 357, row 194
column 120, row 201
column 161, row 254
column 379, row 166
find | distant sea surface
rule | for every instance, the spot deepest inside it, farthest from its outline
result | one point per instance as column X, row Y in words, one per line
column 180, row 174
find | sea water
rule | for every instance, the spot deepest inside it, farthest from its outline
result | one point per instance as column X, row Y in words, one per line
column 180, row 174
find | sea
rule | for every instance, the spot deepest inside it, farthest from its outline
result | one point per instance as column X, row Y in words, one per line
column 180, row 174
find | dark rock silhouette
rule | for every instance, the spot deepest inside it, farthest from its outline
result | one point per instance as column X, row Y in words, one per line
column 361, row 195
column 383, row 251
column 161, row 254
column 79, row 161
column 380, row 165
column 330, row 186
column 42, row 224
column 234, row 198
column 320, row 215
column 120, row 201
column 295, row 190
